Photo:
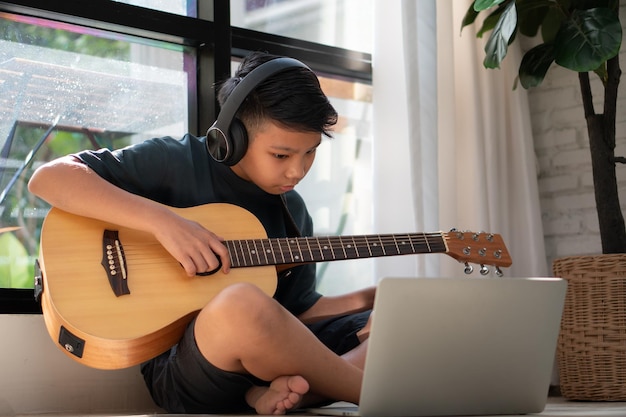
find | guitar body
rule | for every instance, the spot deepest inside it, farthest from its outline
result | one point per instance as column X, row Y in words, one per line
column 99, row 328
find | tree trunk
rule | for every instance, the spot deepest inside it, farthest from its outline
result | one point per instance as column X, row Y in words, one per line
column 601, row 130
column 611, row 220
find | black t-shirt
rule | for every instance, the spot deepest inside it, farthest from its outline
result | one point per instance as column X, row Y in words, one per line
column 180, row 173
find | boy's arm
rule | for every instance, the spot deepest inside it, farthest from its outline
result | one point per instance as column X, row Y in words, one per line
column 332, row 306
column 70, row 185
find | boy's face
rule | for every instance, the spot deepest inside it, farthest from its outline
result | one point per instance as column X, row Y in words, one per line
column 277, row 158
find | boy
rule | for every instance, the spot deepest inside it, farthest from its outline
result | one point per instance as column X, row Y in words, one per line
column 244, row 350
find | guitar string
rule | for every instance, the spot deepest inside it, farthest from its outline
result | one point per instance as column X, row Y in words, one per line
column 318, row 248
column 318, row 245
column 324, row 247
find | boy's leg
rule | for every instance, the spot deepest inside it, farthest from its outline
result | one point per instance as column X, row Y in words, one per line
column 243, row 330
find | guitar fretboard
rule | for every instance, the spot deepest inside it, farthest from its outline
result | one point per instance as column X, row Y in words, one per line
column 260, row 252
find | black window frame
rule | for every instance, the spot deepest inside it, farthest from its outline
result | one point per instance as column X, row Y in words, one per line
column 216, row 43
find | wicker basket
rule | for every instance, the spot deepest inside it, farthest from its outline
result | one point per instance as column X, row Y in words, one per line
column 591, row 351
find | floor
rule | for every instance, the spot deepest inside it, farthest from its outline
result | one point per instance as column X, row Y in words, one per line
column 556, row 407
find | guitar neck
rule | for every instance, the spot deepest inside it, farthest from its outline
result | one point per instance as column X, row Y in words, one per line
column 298, row 250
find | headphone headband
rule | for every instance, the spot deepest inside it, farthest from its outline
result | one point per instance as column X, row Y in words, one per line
column 221, row 144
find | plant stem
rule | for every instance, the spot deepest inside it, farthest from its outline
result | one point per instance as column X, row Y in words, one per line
column 601, row 131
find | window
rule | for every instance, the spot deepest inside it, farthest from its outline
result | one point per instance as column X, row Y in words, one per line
column 65, row 88
column 338, row 188
column 342, row 23
column 76, row 75
column 180, row 7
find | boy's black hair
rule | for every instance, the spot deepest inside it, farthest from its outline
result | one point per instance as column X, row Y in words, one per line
column 292, row 97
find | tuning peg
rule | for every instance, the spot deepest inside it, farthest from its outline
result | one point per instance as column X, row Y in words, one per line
column 459, row 235
column 484, row 270
column 499, row 271
column 468, row 268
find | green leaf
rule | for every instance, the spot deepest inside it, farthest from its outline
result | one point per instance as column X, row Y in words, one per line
column 588, row 39
column 470, row 17
column 590, row 4
column 535, row 64
column 497, row 45
column 480, row 5
column 490, row 22
column 531, row 15
column 551, row 24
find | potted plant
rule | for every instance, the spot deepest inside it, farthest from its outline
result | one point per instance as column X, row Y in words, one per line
column 583, row 36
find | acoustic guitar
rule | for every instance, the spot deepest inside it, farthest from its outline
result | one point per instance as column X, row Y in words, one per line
column 113, row 297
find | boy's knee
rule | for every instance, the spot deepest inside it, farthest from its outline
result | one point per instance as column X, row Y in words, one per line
column 243, row 292
column 240, row 299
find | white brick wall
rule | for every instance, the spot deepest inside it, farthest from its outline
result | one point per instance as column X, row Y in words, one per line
column 564, row 164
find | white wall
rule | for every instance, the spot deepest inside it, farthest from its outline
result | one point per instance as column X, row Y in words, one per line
column 36, row 377
column 561, row 143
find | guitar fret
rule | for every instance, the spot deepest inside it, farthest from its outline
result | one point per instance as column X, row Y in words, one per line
column 395, row 242
column 389, row 244
column 349, row 251
column 299, row 255
column 356, row 248
column 243, row 254
column 265, row 252
column 342, row 246
column 234, row 259
column 251, row 253
column 308, row 245
column 368, row 246
column 410, row 237
column 290, row 254
column 403, row 245
column 427, row 243
column 319, row 249
column 256, row 252
column 328, row 247
column 248, row 252
column 436, row 243
column 276, row 248
column 382, row 246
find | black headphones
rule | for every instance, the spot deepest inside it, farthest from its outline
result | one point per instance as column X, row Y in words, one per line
column 227, row 139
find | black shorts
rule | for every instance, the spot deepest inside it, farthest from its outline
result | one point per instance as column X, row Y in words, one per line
column 181, row 380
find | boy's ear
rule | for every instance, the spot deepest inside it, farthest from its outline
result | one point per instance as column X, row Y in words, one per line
column 227, row 139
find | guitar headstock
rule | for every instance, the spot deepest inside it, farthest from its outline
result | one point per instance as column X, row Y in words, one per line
column 479, row 248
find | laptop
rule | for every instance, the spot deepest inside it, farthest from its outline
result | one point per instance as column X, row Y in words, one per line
column 459, row 346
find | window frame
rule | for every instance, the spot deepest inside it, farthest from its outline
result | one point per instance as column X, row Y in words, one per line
column 216, row 44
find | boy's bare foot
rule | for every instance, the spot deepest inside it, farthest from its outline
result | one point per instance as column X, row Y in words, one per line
column 283, row 394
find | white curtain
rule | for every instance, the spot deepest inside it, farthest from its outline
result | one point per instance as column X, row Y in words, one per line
column 452, row 140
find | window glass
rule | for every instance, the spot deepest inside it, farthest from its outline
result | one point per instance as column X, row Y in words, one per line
column 180, row 7
column 342, row 23
column 338, row 189
column 63, row 89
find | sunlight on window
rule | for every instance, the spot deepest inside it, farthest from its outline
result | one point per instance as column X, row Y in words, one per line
column 180, row 7
column 338, row 189
column 342, row 23
column 63, row 89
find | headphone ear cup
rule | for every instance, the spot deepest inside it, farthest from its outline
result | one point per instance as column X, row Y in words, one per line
column 238, row 136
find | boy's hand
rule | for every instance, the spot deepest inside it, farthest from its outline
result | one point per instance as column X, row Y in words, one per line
column 197, row 249
column 364, row 333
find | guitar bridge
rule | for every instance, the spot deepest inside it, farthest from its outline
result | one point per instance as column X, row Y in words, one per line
column 114, row 262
